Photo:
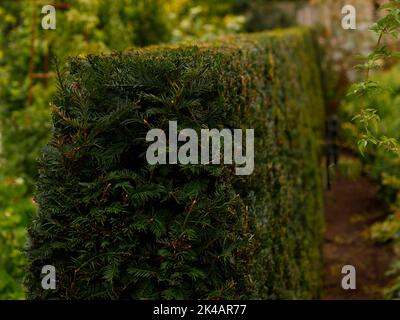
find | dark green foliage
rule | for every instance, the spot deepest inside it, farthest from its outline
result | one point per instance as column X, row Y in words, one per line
column 117, row 228
column 270, row 14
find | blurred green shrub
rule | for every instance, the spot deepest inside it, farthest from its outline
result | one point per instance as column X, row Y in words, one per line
column 15, row 212
column 203, row 19
column 382, row 166
column 86, row 27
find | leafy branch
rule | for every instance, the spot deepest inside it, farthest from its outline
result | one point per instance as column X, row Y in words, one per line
column 387, row 26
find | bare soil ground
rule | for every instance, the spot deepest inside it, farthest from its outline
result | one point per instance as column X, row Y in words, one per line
column 352, row 207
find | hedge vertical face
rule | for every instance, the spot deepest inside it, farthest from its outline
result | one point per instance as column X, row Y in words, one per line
column 115, row 226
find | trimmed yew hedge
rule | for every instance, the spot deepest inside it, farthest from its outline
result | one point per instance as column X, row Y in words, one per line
column 117, row 228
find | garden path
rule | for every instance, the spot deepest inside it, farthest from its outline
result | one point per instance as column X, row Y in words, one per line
column 352, row 206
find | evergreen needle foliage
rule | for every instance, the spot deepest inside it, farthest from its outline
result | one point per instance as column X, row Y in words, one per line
column 117, row 228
